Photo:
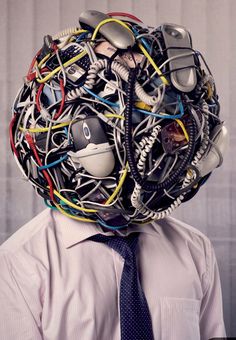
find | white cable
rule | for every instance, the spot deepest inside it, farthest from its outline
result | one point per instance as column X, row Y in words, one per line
column 205, row 140
column 146, row 129
column 65, row 32
column 123, row 73
column 62, row 70
column 146, row 144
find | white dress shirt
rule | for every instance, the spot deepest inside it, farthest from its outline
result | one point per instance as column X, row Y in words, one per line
column 57, row 285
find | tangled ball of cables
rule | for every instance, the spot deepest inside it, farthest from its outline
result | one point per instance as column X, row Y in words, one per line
column 117, row 136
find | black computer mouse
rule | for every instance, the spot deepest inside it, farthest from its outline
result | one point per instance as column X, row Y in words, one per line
column 91, row 147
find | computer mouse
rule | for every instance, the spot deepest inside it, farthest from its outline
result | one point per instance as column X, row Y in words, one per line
column 92, row 149
column 217, row 147
column 117, row 35
column 183, row 74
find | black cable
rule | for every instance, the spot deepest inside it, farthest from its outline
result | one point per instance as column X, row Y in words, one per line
column 148, row 185
column 184, row 190
column 179, row 69
column 110, row 61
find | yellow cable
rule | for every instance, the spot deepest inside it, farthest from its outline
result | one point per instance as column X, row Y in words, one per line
column 113, row 115
column 143, row 106
column 71, row 37
column 107, row 21
column 48, row 55
column 43, row 60
column 58, row 126
column 79, row 31
column 152, row 62
column 183, row 128
column 76, row 33
column 110, row 199
column 66, row 64
column 209, row 90
column 83, row 219
column 72, row 205
column 190, row 172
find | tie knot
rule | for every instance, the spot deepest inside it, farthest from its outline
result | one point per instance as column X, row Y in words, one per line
column 125, row 246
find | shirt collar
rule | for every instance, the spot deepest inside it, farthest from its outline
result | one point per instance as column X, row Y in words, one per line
column 74, row 232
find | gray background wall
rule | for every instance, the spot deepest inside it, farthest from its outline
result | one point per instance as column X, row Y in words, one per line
column 23, row 23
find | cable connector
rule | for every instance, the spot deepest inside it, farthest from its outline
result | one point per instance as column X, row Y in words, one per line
column 30, row 141
column 48, row 46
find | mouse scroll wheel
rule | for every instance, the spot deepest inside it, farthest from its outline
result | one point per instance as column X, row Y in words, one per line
column 86, row 131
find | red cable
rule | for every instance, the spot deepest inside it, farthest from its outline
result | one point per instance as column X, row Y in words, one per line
column 45, row 69
column 54, row 47
column 62, row 100
column 122, row 14
column 38, row 96
column 11, row 125
column 46, row 175
column 30, row 76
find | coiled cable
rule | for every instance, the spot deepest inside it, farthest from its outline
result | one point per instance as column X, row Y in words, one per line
column 147, row 185
column 65, row 32
column 121, row 70
column 146, row 145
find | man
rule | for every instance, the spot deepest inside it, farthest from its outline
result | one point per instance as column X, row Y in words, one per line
column 116, row 125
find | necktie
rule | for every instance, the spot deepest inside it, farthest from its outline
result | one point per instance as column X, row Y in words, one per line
column 135, row 319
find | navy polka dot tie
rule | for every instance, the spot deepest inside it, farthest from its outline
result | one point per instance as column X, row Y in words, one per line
column 135, row 319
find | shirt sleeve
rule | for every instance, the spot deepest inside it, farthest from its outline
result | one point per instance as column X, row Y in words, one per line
column 211, row 314
column 16, row 320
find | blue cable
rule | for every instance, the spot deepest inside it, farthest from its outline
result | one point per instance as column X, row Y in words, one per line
column 158, row 115
column 81, row 36
column 71, row 211
column 100, row 98
column 61, row 159
column 48, row 205
column 181, row 108
column 67, row 135
column 110, row 227
column 145, row 43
